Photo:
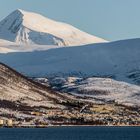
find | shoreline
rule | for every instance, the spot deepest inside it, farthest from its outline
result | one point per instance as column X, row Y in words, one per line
column 58, row 126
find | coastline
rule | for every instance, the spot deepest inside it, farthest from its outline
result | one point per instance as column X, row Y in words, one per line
column 51, row 126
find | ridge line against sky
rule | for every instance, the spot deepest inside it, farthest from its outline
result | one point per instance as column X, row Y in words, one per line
column 108, row 19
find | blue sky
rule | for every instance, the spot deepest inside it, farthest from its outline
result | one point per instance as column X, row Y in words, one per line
column 110, row 19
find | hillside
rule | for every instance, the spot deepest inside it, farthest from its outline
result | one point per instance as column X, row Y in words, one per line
column 97, row 90
column 16, row 87
column 19, row 96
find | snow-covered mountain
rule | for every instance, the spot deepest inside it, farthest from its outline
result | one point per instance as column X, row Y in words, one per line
column 24, row 28
column 119, row 60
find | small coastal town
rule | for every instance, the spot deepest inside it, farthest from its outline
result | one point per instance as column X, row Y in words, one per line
column 94, row 115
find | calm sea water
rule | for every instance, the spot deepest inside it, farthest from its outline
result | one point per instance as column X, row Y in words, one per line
column 72, row 133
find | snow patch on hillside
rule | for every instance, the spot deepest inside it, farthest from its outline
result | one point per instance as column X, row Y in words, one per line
column 108, row 90
column 96, row 89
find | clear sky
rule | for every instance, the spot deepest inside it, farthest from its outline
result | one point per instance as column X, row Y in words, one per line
column 109, row 19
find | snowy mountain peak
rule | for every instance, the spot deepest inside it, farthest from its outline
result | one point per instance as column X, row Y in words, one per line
column 19, row 10
column 24, row 27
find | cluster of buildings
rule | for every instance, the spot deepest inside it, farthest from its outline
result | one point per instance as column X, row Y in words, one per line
column 6, row 123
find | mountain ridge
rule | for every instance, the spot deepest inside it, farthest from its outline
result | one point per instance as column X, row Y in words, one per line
column 118, row 59
column 24, row 27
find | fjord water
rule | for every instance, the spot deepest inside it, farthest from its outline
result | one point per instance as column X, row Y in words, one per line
column 71, row 133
